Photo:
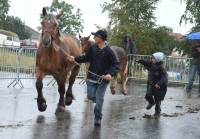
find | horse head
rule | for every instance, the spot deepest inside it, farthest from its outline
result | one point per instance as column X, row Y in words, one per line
column 85, row 43
column 50, row 28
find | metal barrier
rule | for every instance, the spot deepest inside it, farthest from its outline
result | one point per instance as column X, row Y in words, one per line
column 177, row 68
column 19, row 63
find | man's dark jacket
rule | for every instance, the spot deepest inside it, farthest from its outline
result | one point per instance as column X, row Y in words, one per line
column 102, row 61
column 195, row 55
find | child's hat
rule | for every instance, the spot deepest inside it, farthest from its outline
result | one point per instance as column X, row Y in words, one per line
column 159, row 56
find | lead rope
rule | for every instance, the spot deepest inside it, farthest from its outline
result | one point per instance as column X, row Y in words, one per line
column 56, row 47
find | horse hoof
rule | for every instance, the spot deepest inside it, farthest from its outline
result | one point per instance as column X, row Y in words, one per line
column 124, row 93
column 112, row 92
column 60, row 109
column 68, row 100
column 42, row 106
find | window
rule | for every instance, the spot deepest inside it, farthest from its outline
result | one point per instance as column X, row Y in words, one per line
column 9, row 38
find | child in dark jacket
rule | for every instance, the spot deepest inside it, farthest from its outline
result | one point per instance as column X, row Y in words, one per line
column 157, row 81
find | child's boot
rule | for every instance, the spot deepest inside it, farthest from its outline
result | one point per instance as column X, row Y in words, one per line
column 157, row 108
column 149, row 106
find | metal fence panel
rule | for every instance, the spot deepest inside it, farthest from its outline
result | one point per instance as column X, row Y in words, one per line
column 177, row 68
column 19, row 63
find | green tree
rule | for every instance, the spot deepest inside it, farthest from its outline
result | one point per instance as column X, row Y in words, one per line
column 70, row 21
column 137, row 17
column 139, row 12
column 192, row 14
column 4, row 7
column 148, row 40
column 11, row 23
column 15, row 24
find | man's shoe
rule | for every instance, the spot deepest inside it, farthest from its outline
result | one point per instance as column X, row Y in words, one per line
column 149, row 106
column 97, row 122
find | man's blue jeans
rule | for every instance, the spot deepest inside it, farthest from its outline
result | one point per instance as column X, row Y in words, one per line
column 194, row 69
column 96, row 92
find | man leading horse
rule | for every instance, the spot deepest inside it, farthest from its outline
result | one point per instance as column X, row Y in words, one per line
column 103, row 63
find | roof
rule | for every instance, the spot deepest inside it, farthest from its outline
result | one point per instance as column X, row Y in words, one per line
column 34, row 34
column 8, row 33
column 177, row 36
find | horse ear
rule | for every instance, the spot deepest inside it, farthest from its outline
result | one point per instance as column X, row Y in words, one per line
column 59, row 15
column 44, row 11
column 80, row 37
column 88, row 37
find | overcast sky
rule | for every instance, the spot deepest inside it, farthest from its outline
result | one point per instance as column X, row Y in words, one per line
column 168, row 13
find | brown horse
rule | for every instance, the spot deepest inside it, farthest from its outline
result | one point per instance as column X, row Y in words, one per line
column 51, row 59
column 121, row 56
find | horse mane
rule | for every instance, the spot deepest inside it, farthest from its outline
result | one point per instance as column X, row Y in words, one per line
column 91, row 42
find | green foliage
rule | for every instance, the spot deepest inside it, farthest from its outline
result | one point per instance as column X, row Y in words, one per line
column 148, row 40
column 138, row 12
column 192, row 14
column 185, row 47
column 70, row 21
column 137, row 17
column 10, row 23
column 4, row 7
column 15, row 24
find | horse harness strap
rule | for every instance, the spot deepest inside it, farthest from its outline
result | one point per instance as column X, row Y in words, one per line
column 56, row 47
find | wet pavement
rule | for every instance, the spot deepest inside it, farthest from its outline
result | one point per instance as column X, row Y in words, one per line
column 20, row 119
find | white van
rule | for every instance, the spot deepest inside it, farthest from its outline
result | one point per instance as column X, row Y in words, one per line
column 3, row 39
column 12, row 41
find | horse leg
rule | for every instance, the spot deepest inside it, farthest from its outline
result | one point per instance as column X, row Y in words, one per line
column 130, row 62
column 123, row 74
column 61, row 90
column 41, row 102
column 112, row 86
column 69, row 95
column 123, row 85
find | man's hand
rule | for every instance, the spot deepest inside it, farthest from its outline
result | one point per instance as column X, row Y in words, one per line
column 71, row 58
column 157, row 86
column 107, row 77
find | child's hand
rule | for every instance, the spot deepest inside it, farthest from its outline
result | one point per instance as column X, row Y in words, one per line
column 157, row 86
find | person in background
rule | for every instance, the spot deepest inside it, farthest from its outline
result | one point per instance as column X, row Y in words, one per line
column 130, row 48
column 195, row 67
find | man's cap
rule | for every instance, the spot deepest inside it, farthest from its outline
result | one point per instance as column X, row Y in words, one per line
column 100, row 33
